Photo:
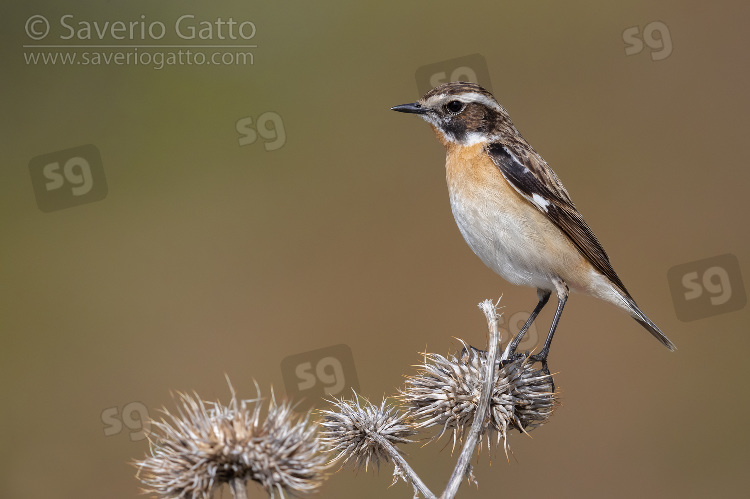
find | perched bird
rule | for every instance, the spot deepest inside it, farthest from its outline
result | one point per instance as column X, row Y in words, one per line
column 512, row 209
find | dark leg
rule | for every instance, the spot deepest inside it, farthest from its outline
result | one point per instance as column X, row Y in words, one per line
column 562, row 296
column 543, row 295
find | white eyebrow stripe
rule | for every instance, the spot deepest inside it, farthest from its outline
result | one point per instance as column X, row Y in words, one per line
column 480, row 98
column 466, row 98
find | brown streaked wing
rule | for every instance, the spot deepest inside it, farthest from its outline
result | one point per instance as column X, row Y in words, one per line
column 529, row 174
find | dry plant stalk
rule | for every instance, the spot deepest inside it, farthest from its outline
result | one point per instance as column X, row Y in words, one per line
column 468, row 396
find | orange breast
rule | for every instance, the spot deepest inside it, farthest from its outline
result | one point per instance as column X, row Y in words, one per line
column 471, row 172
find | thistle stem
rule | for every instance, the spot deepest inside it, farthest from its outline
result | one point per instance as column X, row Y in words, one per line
column 239, row 488
column 399, row 460
column 480, row 416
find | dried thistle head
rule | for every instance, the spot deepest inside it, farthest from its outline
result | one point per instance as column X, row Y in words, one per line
column 207, row 444
column 445, row 392
column 350, row 429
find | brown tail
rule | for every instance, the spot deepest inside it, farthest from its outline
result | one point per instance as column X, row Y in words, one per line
column 652, row 328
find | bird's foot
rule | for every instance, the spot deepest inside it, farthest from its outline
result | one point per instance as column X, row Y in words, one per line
column 513, row 357
column 542, row 358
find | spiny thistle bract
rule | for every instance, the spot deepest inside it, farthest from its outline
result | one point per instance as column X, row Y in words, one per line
column 349, row 428
column 445, row 392
column 207, row 444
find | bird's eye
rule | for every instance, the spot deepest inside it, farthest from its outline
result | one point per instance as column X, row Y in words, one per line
column 454, row 106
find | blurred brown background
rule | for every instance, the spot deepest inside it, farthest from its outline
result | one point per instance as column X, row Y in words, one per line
column 207, row 257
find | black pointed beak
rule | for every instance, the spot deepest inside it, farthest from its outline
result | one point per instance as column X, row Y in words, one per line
column 413, row 108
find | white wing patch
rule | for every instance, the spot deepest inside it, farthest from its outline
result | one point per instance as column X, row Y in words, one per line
column 540, row 202
column 536, row 199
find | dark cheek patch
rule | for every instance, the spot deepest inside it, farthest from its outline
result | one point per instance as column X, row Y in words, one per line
column 479, row 118
column 484, row 125
column 474, row 118
column 456, row 128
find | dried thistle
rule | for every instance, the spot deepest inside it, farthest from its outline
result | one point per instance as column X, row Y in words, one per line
column 207, row 444
column 356, row 431
column 445, row 393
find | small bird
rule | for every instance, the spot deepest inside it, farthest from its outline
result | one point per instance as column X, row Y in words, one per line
column 512, row 209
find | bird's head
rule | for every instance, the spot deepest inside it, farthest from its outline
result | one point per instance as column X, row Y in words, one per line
column 461, row 113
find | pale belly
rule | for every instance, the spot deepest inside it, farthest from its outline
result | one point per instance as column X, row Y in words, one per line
column 514, row 238
column 502, row 242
